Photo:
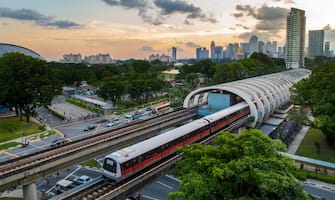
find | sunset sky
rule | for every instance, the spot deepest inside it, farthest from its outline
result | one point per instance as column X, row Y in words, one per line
column 138, row 28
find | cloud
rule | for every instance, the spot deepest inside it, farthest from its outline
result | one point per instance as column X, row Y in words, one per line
column 31, row 15
column 179, row 49
column 155, row 12
column 147, row 49
column 242, row 26
column 192, row 45
column 285, row 1
column 270, row 20
column 238, row 15
column 187, row 22
column 178, row 6
column 146, row 9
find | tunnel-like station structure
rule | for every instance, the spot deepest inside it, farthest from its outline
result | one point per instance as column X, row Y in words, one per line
column 264, row 94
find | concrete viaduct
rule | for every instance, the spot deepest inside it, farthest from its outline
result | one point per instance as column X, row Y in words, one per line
column 264, row 94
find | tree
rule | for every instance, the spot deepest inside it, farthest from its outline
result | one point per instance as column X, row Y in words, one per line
column 26, row 83
column 317, row 92
column 112, row 90
column 244, row 166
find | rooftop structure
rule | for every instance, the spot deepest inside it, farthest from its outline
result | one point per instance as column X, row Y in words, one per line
column 8, row 48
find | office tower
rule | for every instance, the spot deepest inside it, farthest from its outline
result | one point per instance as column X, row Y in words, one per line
column 327, row 49
column 174, row 54
column 261, row 47
column 212, row 50
column 218, row 53
column 245, row 49
column 253, row 45
column 232, row 51
column 202, row 53
column 271, row 48
column 295, row 39
column 315, row 43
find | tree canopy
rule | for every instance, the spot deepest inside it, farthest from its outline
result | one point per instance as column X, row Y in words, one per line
column 25, row 83
column 317, row 92
column 244, row 166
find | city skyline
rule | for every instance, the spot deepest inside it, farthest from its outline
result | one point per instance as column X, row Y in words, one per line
column 138, row 28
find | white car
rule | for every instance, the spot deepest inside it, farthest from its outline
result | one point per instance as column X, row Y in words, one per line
column 82, row 179
column 110, row 124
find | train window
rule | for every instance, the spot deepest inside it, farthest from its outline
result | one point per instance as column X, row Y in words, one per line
column 110, row 165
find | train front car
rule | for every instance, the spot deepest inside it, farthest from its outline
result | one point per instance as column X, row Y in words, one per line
column 111, row 167
column 130, row 160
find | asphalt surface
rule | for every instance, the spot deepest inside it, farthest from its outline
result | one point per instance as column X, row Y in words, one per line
column 47, row 185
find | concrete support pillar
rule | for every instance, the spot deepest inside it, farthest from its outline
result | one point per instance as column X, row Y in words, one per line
column 29, row 192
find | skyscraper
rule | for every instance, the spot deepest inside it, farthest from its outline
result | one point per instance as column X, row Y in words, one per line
column 327, row 49
column 315, row 43
column 253, row 45
column 174, row 54
column 212, row 50
column 295, row 39
column 202, row 53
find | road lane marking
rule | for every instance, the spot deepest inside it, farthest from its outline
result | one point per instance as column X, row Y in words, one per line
column 165, row 185
column 9, row 154
column 173, row 178
column 62, row 135
column 148, row 197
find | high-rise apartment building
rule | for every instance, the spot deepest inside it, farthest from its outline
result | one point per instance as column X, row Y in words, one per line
column 212, row 50
column 202, row 53
column 295, row 39
column 72, row 58
column 315, row 43
column 174, row 54
column 253, row 45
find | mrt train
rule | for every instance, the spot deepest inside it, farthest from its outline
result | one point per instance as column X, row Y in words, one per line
column 125, row 162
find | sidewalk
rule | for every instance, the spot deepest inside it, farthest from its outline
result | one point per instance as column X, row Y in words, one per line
column 293, row 147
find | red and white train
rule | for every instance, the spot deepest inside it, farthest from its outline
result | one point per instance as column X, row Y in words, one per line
column 125, row 162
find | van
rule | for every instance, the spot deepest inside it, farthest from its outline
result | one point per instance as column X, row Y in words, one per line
column 63, row 185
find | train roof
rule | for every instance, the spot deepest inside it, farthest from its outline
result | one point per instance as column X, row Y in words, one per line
column 156, row 141
column 218, row 115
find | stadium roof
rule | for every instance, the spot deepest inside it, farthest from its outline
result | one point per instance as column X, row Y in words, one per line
column 9, row 48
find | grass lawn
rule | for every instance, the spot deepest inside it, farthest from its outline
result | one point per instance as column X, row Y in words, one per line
column 8, row 145
column 10, row 198
column 90, row 163
column 307, row 147
column 12, row 127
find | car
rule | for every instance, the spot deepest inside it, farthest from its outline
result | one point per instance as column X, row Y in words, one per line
column 82, row 179
column 58, row 142
column 90, row 127
column 110, row 124
column 101, row 121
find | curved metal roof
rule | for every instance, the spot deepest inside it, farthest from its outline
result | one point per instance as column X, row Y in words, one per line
column 264, row 94
column 8, row 48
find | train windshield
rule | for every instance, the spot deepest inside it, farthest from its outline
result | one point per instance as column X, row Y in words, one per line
column 110, row 165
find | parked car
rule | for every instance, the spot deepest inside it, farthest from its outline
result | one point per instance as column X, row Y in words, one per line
column 90, row 127
column 110, row 124
column 82, row 179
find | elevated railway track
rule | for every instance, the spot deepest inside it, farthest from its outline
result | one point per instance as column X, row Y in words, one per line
column 106, row 190
column 26, row 170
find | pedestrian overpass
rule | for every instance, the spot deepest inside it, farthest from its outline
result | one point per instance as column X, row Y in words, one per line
column 264, row 94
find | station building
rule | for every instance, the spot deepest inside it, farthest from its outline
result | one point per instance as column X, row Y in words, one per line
column 267, row 96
